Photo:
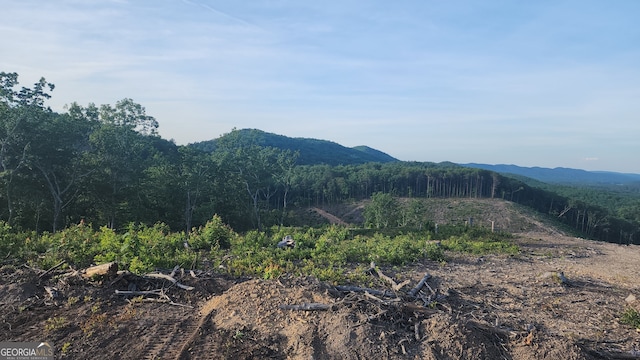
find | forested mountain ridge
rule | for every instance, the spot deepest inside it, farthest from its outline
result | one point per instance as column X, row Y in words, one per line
column 311, row 151
column 107, row 166
column 562, row 175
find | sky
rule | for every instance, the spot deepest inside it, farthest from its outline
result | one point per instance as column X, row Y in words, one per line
column 549, row 83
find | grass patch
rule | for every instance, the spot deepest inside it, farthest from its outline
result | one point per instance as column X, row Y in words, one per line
column 55, row 323
column 631, row 317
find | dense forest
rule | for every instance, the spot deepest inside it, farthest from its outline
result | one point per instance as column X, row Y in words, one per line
column 107, row 166
column 310, row 151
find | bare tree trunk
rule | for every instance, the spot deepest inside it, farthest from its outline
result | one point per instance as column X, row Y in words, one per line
column 494, row 185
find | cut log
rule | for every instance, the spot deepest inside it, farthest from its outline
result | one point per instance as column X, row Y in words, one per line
column 417, row 288
column 109, row 269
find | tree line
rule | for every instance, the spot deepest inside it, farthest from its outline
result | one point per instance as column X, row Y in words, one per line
column 106, row 165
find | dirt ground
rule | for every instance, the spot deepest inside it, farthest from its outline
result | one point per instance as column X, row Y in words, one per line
column 560, row 298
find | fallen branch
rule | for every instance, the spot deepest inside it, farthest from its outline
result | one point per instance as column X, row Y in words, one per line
column 166, row 301
column 357, row 289
column 413, row 308
column 52, row 268
column 432, row 299
column 510, row 333
column 395, row 286
column 401, row 285
column 386, row 302
column 169, row 278
column 181, row 305
column 413, row 292
column 69, row 274
column 404, row 351
column 157, row 292
column 306, row 307
column 164, row 298
column 174, row 271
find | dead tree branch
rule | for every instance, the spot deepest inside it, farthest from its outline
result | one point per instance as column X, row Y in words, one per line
column 395, row 286
column 413, row 292
column 52, row 268
column 357, row 289
column 306, row 307
column 169, row 278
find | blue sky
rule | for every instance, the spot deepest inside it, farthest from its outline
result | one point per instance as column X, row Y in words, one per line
column 549, row 83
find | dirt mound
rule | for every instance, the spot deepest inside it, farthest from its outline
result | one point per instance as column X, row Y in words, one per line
column 353, row 327
column 356, row 326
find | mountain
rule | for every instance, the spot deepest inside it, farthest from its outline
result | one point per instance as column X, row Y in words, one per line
column 383, row 157
column 563, row 175
column 312, row 151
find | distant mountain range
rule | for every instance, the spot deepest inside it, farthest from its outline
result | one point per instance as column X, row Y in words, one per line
column 312, row 151
column 562, row 175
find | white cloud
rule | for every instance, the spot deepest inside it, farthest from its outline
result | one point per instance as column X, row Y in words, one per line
column 428, row 80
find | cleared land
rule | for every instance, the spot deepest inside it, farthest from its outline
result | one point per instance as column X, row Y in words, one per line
column 560, row 298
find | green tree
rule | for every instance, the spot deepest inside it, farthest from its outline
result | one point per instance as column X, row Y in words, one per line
column 251, row 166
column 122, row 149
column 382, row 211
column 20, row 111
column 413, row 213
column 197, row 183
column 286, row 161
column 57, row 149
column 158, row 191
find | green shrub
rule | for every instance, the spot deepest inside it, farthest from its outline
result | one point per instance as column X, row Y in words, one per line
column 255, row 239
column 77, row 245
column 329, row 253
column 434, row 252
column 142, row 248
column 214, row 235
column 21, row 246
column 8, row 241
column 479, row 245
